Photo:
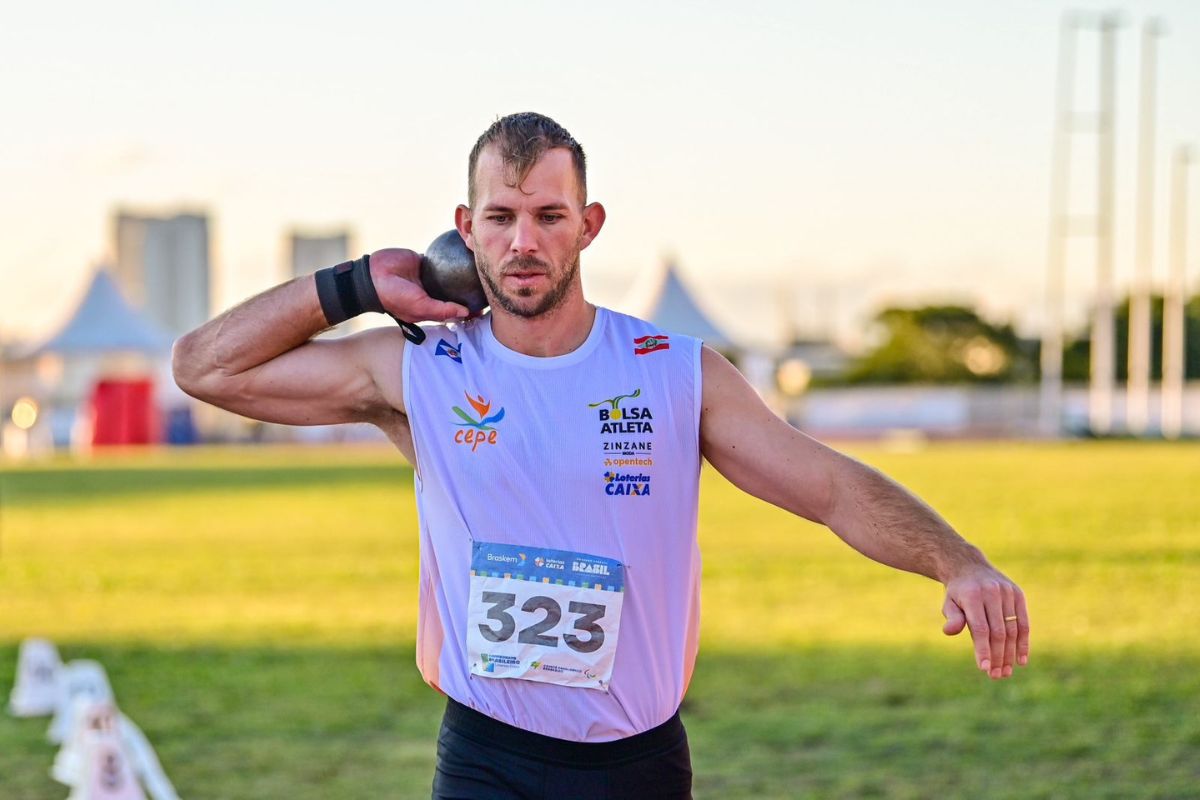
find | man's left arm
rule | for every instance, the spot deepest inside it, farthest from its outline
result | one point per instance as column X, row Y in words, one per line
column 764, row 456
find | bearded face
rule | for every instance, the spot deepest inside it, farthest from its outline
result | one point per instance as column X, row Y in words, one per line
column 527, row 238
column 527, row 286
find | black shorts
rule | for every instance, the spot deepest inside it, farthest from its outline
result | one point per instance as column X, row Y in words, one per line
column 480, row 758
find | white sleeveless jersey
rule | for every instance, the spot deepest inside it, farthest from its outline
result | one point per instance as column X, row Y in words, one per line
column 560, row 573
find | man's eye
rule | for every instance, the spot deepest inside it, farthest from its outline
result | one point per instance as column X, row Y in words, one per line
column 500, row 218
column 551, row 217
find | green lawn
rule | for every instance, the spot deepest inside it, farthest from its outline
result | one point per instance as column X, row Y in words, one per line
column 264, row 641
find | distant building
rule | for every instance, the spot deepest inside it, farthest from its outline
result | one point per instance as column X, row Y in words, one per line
column 665, row 301
column 823, row 358
column 311, row 253
column 162, row 266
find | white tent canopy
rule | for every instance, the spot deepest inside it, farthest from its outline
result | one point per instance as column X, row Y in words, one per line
column 105, row 322
column 669, row 304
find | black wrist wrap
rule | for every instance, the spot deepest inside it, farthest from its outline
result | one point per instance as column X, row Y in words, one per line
column 346, row 290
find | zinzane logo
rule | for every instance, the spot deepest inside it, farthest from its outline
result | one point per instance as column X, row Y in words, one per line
column 631, row 419
column 477, row 432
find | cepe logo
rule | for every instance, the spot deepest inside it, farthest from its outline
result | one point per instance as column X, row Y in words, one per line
column 476, row 432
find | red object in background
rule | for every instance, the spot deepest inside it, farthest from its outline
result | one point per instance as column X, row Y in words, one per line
column 123, row 413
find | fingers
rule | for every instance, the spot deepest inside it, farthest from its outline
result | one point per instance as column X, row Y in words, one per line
column 955, row 618
column 984, row 609
column 407, row 300
column 1022, row 627
column 995, row 611
column 977, row 620
column 439, row 310
column 416, row 306
column 1016, row 628
column 1010, row 629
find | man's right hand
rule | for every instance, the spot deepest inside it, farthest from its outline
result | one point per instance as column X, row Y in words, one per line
column 396, row 274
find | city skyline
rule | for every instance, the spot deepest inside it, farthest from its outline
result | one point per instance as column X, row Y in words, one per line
column 867, row 155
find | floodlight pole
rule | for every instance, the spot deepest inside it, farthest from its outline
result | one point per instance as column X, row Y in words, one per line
column 1103, row 368
column 1173, row 310
column 1103, row 344
column 1137, row 397
column 1050, row 405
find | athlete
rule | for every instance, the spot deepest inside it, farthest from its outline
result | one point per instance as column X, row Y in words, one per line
column 557, row 448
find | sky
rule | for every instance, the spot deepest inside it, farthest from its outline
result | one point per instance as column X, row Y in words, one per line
column 798, row 160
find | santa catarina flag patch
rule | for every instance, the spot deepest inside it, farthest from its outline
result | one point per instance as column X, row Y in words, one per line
column 650, row 344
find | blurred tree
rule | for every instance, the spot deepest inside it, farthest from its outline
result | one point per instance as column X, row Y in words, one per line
column 1078, row 350
column 953, row 344
column 943, row 344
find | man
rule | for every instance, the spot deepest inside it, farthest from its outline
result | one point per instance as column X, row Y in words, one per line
column 557, row 449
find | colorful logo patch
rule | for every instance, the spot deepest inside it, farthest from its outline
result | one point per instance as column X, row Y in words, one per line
column 650, row 344
column 626, row 484
column 476, row 432
column 614, row 403
column 448, row 350
column 630, row 419
column 493, row 660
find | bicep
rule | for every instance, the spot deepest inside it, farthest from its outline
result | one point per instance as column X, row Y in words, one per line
column 321, row 382
column 759, row 452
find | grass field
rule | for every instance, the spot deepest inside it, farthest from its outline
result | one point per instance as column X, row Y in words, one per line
column 264, row 641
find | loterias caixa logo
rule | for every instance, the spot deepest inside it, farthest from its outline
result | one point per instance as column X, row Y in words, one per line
column 476, row 432
column 627, row 484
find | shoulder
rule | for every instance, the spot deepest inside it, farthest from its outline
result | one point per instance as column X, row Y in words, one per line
column 723, row 383
column 385, row 354
column 448, row 339
column 380, row 352
column 627, row 322
column 645, row 337
column 375, row 346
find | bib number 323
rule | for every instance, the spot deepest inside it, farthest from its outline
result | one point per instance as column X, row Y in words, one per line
column 544, row 615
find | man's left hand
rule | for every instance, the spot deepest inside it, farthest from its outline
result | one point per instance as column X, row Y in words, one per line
column 994, row 609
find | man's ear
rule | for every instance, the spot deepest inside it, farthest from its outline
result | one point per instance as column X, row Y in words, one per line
column 462, row 221
column 593, row 220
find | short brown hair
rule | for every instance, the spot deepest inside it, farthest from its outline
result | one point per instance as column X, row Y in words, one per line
column 522, row 139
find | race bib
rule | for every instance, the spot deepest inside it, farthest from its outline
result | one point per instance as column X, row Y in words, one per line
column 544, row 615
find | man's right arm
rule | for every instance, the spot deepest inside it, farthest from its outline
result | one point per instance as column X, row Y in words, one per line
column 259, row 359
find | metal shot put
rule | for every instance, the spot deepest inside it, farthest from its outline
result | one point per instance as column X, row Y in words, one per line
column 561, row 624
column 448, row 272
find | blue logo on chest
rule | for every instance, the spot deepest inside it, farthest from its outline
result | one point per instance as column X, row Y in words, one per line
column 448, row 350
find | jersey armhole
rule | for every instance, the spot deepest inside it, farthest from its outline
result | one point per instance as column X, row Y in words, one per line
column 406, row 357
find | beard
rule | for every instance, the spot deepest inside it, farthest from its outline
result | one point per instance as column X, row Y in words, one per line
column 531, row 307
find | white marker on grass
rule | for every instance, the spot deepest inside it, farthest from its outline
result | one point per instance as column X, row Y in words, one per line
column 81, row 680
column 35, row 691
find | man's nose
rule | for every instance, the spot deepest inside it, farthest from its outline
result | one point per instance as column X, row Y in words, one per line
column 524, row 240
